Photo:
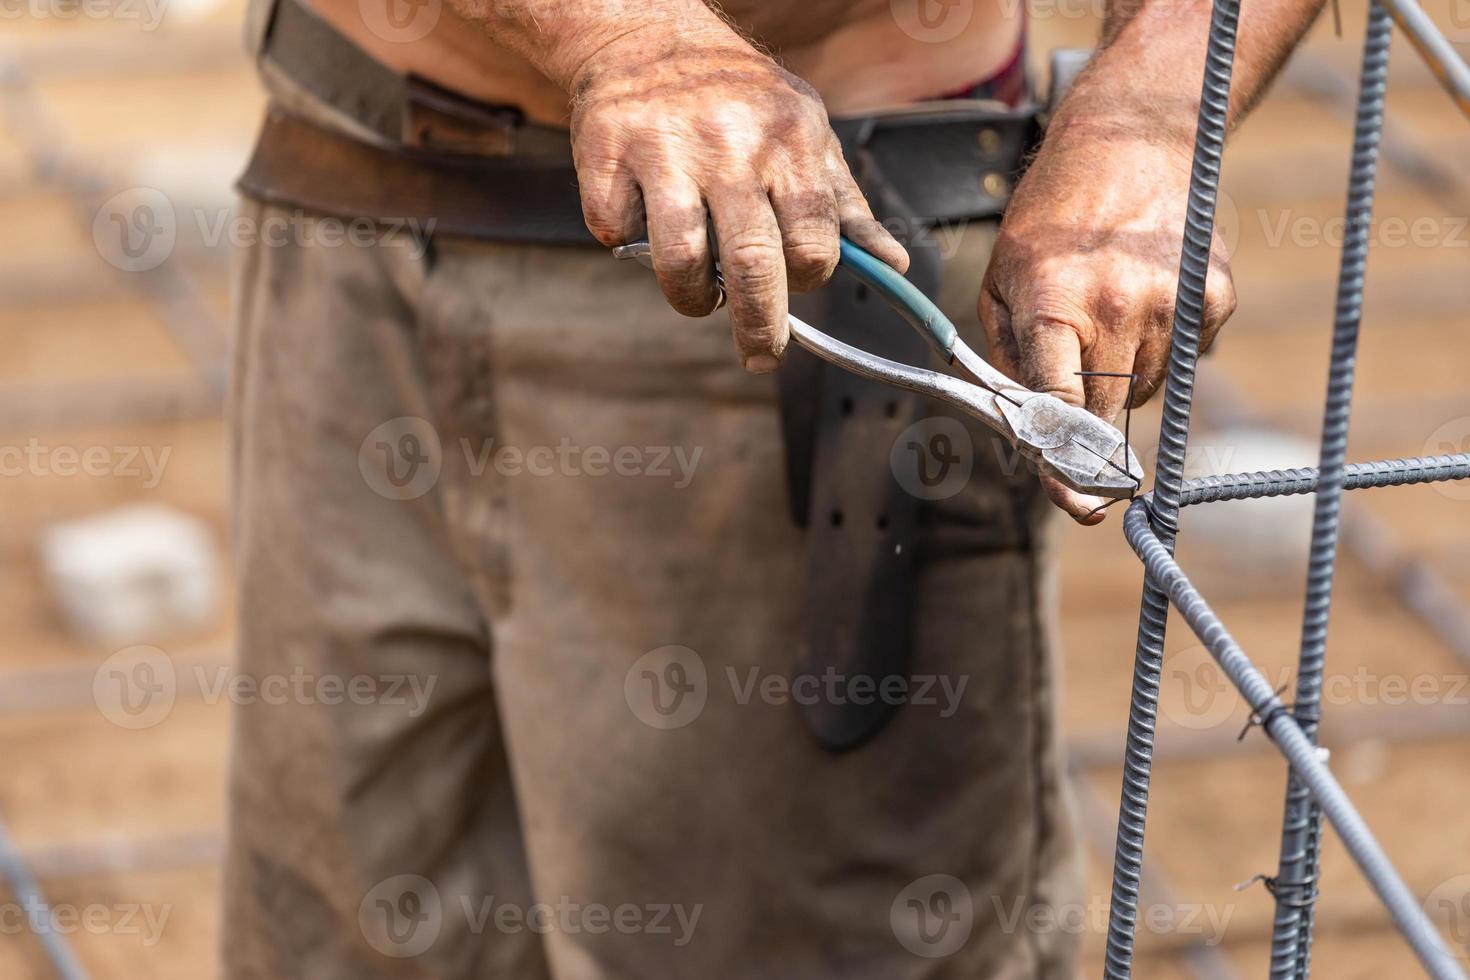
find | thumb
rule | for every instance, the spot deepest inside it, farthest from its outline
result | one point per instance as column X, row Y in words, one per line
column 1051, row 359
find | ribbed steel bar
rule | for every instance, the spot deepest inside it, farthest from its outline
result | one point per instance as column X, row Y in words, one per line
column 1301, row 822
column 27, row 894
column 1356, row 476
column 1408, row 915
column 1189, row 302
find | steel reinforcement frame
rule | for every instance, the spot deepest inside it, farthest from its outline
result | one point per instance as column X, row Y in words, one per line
column 1151, row 527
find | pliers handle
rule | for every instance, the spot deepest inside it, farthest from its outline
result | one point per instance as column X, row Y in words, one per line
column 1081, row 450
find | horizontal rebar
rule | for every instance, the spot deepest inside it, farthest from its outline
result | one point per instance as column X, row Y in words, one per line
column 1287, row 735
column 1356, row 476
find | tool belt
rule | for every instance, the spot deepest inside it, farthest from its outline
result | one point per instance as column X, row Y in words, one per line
column 462, row 167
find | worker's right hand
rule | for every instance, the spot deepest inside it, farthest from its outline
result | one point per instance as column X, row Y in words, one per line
column 669, row 132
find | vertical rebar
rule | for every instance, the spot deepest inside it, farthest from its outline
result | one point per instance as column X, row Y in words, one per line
column 1189, row 307
column 18, row 880
column 1407, row 913
column 1296, row 877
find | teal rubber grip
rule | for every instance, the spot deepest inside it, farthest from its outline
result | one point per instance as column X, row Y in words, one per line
column 905, row 298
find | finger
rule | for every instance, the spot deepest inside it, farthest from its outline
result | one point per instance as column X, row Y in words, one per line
column 678, row 234
column 1152, row 358
column 1050, row 359
column 856, row 220
column 807, row 217
column 1106, row 396
column 1083, row 508
column 754, row 268
column 612, row 205
column 1219, row 303
column 995, row 318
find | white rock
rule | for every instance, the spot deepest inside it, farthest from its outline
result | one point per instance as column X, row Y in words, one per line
column 132, row 574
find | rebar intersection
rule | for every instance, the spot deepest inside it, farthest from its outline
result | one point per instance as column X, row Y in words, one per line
column 1151, row 526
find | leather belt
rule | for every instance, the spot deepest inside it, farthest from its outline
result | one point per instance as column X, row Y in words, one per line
column 462, row 167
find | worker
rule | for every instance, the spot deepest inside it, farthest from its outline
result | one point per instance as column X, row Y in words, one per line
column 727, row 663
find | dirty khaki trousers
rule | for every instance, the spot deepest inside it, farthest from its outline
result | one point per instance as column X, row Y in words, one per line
column 521, row 534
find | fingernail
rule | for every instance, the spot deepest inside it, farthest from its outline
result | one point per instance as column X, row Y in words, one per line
column 761, row 364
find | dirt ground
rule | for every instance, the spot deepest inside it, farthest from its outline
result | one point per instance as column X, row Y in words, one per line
column 90, row 356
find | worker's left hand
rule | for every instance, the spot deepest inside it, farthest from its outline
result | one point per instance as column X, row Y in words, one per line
column 1083, row 274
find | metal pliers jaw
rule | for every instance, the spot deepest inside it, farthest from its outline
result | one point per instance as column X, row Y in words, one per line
column 1071, row 444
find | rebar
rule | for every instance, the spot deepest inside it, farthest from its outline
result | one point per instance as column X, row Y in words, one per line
column 23, row 888
column 1356, row 476
column 1297, row 867
column 1189, row 306
column 1287, row 735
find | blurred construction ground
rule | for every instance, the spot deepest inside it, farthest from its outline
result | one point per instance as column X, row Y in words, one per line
column 127, row 821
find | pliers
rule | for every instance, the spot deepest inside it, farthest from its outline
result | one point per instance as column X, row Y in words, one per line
column 1071, row 444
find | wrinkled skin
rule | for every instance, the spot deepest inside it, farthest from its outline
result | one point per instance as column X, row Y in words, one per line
column 726, row 135
column 678, row 122
column 1084, row 272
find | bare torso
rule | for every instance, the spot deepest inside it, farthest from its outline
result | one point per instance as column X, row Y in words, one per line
column 860, row 54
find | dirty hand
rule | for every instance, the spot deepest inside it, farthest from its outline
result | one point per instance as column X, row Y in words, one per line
column 1083, row 274
column 675, row 132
